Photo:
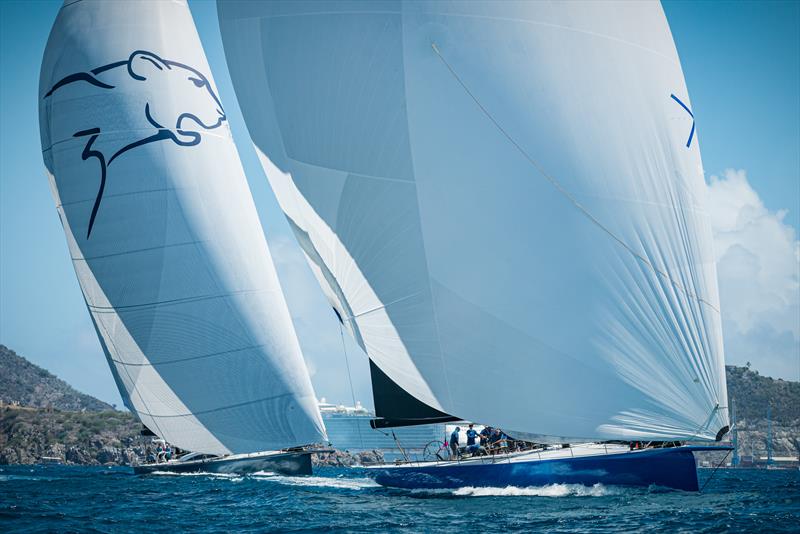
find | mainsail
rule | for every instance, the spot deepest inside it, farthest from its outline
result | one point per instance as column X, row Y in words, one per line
column 164, row 235
column 502, row 200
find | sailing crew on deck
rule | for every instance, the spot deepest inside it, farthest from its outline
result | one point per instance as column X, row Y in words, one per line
column 497, row 440
column 472, row 435
column 485, row 435
column 454, row 442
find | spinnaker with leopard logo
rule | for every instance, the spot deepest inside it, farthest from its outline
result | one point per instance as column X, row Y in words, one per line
column 166, row 241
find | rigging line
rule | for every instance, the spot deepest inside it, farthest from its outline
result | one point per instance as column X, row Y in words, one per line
column 561, row 189
column 715, row 471
column 350, row 379
column 704, row 425
column 402, row 451
column 376, row 308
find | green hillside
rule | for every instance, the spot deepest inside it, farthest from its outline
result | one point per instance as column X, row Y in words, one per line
column 752, row 393
column 24, row 383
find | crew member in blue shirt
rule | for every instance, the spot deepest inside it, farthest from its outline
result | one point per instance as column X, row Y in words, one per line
column 454, row 441
column 472, row 435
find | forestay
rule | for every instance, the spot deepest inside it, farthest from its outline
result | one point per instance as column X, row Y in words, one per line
column 164, row 235
column 503, row 200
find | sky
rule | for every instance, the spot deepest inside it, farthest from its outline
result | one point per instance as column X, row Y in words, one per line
column 741, row 61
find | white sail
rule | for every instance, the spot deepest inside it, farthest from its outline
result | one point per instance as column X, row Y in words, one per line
column 164, row 235
column 504, row 200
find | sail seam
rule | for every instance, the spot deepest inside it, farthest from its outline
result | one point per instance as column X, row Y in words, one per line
column 557, row 27
column 187, row 359
column 691, row 208
column 221, row 408
column 117, row 195
column 134, row 383
column 103, row 256
column 100, row 309
column 132, row 130
column 321, row 13
column 351, row 173
column 401, row 299
column 562, row 190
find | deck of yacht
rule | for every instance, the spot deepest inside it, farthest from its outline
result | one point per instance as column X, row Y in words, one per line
column 545, row 453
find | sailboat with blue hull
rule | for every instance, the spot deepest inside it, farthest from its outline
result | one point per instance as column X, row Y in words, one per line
column 504, row 204
column 589, row 464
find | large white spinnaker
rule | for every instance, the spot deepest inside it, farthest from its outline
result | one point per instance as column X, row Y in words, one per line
column 504, row 201
column 163, row 232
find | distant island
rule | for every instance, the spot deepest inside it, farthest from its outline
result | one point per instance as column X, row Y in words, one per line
column 41, row 416
column 26, row 384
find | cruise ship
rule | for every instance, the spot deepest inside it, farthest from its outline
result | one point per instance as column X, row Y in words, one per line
column 349, row 430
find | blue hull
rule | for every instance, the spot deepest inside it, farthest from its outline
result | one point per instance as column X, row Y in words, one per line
column 671, row 468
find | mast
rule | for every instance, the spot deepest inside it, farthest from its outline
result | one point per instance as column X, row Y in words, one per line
column 770, row 461
column 735, row 436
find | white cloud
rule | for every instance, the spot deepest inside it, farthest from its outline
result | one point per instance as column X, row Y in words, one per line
column 758, row 263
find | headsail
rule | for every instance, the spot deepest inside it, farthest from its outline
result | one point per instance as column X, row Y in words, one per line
column 503, row 200
column 164, row 235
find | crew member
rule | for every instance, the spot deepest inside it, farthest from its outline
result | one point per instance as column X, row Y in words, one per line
column 497, row 439
column 485, row 435
column 454, row 442
column 472, row 435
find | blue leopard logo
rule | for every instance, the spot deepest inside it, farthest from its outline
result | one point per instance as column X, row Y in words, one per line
column 163, row 124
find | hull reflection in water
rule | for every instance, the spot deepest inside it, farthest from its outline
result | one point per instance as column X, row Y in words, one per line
column 288, row 463
column 590, row 464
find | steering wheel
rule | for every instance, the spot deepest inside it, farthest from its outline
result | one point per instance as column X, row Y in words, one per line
column 433, row 451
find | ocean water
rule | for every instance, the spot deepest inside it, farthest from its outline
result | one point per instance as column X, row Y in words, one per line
column 61, row 498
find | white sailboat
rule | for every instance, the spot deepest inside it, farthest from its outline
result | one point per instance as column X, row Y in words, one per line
column 503, row 202
column 166, row 241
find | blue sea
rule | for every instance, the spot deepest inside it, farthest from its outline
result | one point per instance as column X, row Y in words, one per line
column 103, row 499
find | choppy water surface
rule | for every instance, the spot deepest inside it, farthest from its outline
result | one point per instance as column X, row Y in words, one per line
column 58, row 498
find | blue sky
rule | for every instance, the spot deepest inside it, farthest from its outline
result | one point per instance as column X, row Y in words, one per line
column 741, row 61
column 742, row 67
